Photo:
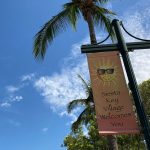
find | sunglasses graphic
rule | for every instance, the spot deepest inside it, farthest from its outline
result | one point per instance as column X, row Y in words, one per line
column 105, row 71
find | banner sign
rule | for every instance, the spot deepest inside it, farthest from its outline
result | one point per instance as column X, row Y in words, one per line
column 114, row 109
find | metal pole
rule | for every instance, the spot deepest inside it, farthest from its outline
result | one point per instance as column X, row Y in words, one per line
column 132, row 82
column 113, row 47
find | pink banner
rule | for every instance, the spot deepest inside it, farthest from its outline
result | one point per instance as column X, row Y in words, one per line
column 114, row 109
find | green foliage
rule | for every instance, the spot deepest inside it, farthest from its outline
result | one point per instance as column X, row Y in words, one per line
column 98, row 142
column 79, row 141
column 131, row 142
column 145, row 93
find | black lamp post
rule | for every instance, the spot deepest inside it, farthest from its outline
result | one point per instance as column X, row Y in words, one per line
column 132, row 82
column 124, row 48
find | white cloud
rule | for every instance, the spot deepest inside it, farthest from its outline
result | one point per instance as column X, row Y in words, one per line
column 9, row 101
column 5, row 105
column 138, row 24
column 17, row 98
column 12, row 96
column 28, row 77
column 59, row 89
column 12, row 89
column 45, row 130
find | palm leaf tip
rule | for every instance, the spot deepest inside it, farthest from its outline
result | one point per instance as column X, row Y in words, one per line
column 102, row 1
column 73, row 13
column 73, row 104
column 69, row 108
column 75, row 126
column 40, row 45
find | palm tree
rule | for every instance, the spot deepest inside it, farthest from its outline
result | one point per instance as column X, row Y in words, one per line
column 92, row 12
column 88, row 113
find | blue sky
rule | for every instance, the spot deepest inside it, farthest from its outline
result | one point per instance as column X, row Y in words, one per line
column 34, row 94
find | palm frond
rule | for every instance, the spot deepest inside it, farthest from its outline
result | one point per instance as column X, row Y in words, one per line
column 54, row 26
column 90, row 98
column 101, row 15
column 85, row 85
column 102, row 11
column 102, row 18
column 101, row 1
column 75, row 103
column 88, row 90
column 83, row 118
column 74, row 13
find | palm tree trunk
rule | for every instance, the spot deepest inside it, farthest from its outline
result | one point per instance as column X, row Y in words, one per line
column 112, row 142
column 112, row 139
column 91, row 28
